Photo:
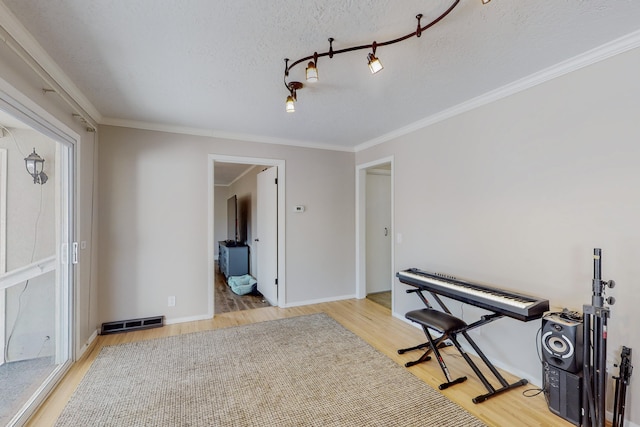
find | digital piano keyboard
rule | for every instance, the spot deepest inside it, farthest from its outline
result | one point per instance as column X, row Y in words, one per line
column 515, row 305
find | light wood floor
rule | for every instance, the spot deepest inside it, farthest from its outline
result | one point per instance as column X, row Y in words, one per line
column 371, row 322
column 382, row 298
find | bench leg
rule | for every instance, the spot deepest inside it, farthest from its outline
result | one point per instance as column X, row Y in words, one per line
column 424, row 358
column 416, row 347
column 439, row 343
column 442, row 344
column 443, row 366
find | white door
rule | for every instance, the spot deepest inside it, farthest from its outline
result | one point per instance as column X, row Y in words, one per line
column 378, row 231
column 267, row 235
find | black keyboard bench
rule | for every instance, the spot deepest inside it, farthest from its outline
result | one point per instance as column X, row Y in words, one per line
column 449, row 326
column 445, row 324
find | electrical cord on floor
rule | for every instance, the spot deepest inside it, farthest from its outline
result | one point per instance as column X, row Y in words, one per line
column 532, row 392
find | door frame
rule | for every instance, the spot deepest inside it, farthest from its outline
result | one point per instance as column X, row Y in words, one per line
column 361, row 215
column 3, row 243
column 280, row 164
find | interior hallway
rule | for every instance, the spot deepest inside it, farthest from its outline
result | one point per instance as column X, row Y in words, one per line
column 225, row 301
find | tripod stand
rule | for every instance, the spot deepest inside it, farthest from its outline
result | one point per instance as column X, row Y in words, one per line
column 622, row 380
column 595, row 349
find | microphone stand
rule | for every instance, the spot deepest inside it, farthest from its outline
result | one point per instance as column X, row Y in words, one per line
column 595, row 349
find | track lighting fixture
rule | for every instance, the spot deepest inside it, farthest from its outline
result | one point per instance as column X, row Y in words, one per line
column 311, row 72
column 35, row 165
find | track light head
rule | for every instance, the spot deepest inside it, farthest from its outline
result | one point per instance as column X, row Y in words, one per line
column 312, row 69
column 374, row 63
column 290, row 106
column 312, row 72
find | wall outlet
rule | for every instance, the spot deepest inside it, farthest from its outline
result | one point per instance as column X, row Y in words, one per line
column 172, row 301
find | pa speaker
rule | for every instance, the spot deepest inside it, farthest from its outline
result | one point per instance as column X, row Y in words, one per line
column 564, row 393
column 562, row 341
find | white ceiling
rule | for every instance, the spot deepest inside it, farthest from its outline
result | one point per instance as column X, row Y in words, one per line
column 216, row 67
column 226, row 173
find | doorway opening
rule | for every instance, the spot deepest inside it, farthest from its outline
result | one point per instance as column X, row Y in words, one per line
column 235, row 236
column 374, row 232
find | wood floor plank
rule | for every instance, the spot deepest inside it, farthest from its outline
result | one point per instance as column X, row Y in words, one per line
column 371, row 322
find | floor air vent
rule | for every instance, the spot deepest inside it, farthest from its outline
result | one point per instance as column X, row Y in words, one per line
column 132, row 325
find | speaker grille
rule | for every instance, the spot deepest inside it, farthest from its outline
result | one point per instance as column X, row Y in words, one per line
column 562, row 342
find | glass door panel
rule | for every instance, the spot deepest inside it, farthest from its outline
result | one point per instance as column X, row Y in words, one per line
column 35, row 274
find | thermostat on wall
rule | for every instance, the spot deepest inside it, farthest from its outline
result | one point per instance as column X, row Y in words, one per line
column 298, row 208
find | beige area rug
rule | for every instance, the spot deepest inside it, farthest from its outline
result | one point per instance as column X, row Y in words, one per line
column 301, row 371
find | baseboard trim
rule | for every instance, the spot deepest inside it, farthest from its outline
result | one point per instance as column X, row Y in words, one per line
column 318, row 301
column 82, row 350
column 187, row 319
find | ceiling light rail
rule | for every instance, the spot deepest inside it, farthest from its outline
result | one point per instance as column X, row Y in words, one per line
column 311, row 72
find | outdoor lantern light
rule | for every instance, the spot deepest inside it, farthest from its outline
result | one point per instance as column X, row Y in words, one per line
column 35, row 165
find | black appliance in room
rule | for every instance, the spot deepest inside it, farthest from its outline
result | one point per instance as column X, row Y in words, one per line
column 562, row 353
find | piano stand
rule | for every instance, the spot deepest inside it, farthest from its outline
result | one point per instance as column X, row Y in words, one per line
column 449, row 327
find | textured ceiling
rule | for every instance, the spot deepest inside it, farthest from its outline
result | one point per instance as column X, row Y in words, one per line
column 227, row 173
column 217, row 66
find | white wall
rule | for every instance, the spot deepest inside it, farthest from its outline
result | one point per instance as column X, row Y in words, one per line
column 30, row 207
column 519, row 192
column 153, row 215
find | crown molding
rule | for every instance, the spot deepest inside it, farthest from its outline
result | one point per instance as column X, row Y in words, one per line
column 605, row 51
column 25, row 41
column 220, row 134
